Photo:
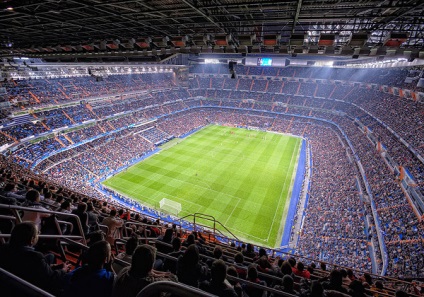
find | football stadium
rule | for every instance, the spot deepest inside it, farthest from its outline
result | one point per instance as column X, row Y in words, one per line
column 211, row 148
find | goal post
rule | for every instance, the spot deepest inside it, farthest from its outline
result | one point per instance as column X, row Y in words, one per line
column 170, row 206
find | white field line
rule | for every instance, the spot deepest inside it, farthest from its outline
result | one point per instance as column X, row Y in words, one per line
column 234, row 208
column 295, row 151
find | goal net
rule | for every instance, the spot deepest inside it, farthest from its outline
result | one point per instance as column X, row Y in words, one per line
column 170, row 206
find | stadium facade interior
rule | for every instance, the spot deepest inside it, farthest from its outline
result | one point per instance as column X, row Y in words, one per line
column 89, row 88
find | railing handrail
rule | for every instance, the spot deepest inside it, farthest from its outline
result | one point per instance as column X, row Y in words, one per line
column 210, row 218
column 23, row 285
column 16, row 207
column 177, row 289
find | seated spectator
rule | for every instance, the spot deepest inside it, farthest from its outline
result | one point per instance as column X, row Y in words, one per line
column 249, row 252
column 59, row 200
column 216, row 255
column 367, row 280
column 286, row 269
column 252, row 276
column 232, row 271
column 33, row 201
column 20, row 258
column 166, row 238
column 189, row 268
column 93, row 218
column 134, row 278
column 81, row 212
column 95, row 236
column 350, row 274
column 264, row 265
column 311, row 270
column 346, row 279
column 9, row 191
column 287, row 286
column 189, row 240
column 335, row 282
column 96, row 277
column 113, row 223
column 218, row 285
column 171, row 265
column 241, row 269
column 312, row 289
column 126, row 256
column 299, row 270
column 65, row 207
column 357, row 289
column 378, row 289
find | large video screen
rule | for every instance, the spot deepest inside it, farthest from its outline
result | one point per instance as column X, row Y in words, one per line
column 264, row 62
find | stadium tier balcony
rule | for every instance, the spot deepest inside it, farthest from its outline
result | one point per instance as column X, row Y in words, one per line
column 402, row 230
column 148, row 230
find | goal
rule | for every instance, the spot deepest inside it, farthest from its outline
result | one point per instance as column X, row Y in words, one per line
column 169, row 206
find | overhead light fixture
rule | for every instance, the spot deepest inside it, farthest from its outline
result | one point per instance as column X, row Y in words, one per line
column 48, row 49
column 222, row 39
column 395, row 39
column 246, row 39
column 112, row 44
column 179, row 41
column 271, row 39
column 358, row 39
column 88, row 47
column 143, row 43
column 66, row 48
column 326, row 39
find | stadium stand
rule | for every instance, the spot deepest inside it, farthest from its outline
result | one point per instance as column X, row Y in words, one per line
column 361, row 213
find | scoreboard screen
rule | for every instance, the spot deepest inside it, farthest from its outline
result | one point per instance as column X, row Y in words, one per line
column 264, row 62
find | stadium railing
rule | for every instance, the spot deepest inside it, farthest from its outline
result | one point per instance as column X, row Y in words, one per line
column 15, row 213
column 209, row 218
column 15, row 286
column 176, row 289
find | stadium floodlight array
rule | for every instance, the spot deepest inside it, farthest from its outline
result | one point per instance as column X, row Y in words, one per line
column 170, row 206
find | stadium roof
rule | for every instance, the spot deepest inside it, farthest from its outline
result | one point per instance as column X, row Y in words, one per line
column 240, row 26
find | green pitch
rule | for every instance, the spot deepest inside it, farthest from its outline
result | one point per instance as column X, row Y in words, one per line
column 241, row 177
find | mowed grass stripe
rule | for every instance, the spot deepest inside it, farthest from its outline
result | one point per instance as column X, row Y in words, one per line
column 241, row 177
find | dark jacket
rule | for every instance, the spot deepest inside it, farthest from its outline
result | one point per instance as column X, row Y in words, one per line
column 31, row 266
column 86, row 282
